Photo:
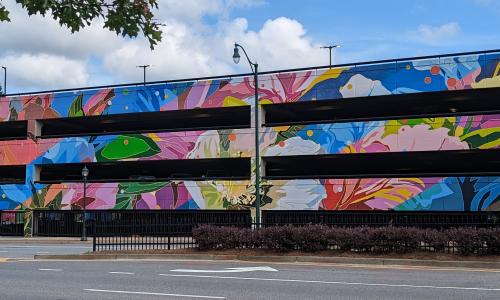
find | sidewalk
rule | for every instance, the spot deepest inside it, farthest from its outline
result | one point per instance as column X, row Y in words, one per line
column 42, row 240
column 473, row 264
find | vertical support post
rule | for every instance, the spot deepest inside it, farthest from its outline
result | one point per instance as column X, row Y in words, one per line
column 257, row 146
column 4, row 90
column 84, row 229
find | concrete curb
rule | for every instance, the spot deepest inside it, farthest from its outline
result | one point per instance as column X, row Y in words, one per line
column 282, row 259
column 43, row 241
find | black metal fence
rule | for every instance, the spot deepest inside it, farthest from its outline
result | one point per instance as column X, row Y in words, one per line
column 160, row 230
column 11, row 223
column 155, row 222
column 382, row 218
column 131, row 222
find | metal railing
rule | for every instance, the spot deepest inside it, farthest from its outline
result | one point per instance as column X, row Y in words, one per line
column 168, row 237
column 129, row 222
column 12, row 223
column 422, row 219
column 230, row 76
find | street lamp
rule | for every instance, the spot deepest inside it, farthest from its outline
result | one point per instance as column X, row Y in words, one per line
column 330, row 48
column 255, row 70
column 85, row 174
column 4, row 80
column 144, row 67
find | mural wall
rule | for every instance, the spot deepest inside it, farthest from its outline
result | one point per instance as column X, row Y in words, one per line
column 450, row 133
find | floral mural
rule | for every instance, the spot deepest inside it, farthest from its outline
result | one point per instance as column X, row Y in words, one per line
column 425, row 134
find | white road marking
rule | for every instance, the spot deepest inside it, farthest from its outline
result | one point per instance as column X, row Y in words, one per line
column 124, row 273
column 3, row 251
column 42, row 252
column 153, row 294
column 340, row 282
column 228, row 270
column 53, row 270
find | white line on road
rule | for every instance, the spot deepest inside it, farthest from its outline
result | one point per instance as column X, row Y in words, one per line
column 124, row 273
column 3, row 251
column 228, row 270
column 42, row 252
column 340, row 282
column 53, row 270
column 153, row 294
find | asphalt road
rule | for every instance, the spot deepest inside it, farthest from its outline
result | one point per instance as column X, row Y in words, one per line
column 30, row 250
column 30, row 279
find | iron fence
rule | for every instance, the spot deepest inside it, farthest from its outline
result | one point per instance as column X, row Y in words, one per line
column 12, row 223
column 130, row 222
column 382, row 218
column 171, row 237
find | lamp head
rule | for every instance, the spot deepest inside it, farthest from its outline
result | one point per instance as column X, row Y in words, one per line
column 236, row 54
column 85, row 172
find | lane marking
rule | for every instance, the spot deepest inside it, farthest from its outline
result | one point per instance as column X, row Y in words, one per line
column 153, row 294
column 228, row 270
column 52, row 270
column 339, row 282
column 124, row 273
column 3, row 251
column 42, row 252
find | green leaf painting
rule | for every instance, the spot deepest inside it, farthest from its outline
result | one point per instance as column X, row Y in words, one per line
column 485, row 138
column 290, row 132
column 213, row 199
column 128, row 192
column 224, row 142
column 76, row 108
column 128, row 146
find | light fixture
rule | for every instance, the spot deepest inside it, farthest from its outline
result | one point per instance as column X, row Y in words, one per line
column 85, row 172
column 236, row 55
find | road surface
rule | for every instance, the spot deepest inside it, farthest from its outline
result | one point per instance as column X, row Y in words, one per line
column 28, row 279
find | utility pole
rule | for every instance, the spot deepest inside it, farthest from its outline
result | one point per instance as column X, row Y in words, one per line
column 4, row 90
column 330, row 48
column 144, row 67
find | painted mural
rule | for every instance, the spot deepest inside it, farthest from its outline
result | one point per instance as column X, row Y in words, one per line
column 450, row 133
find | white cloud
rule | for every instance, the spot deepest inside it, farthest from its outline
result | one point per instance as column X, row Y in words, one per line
column 41, row 55
column 437, row 34
column 280, row 43
column 47, row 71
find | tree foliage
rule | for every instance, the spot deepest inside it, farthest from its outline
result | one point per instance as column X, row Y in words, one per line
column 125, row 17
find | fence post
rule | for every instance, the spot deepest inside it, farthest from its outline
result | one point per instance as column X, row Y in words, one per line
column 93, row 243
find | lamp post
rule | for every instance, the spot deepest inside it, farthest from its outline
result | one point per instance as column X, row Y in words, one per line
column 330, row 48
column 4, row 90
column 255, row 70
column 144, row 67
column 85, row 174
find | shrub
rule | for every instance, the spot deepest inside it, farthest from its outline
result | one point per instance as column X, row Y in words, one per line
column 312, row 238
column 466, row 240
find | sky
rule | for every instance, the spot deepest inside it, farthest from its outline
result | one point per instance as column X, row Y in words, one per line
column 199, row 36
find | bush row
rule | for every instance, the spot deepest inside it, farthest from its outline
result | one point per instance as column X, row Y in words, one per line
column 313, row 238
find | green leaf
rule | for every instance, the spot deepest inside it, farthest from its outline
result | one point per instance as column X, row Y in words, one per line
column 128, row 192
column 56, row 202
column 128, row 146
column 213, row 199
column 140, row 187
column 485, row 138
column 290, row 132
column 124, row 201
column 76, row 109
column 224, row 142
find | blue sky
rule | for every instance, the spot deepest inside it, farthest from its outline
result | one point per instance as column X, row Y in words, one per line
column 279, row 34
column 388, row 28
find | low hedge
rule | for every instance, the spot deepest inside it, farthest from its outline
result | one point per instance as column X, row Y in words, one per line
column 312, row 238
